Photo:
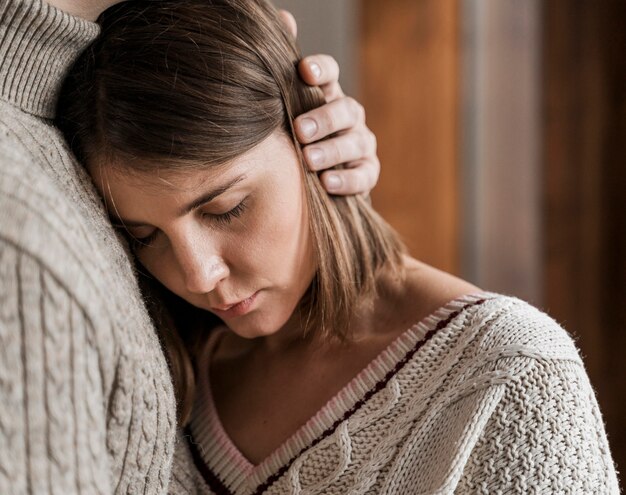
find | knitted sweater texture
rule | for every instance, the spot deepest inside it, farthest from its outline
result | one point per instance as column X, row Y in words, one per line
column 487, row 395
column 86, row 401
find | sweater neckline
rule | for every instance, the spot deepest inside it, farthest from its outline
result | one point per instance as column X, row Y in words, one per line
column 227, row 470
column 38, row 45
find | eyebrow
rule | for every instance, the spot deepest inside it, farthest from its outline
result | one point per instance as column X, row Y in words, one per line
column 195, row 204
column 210, row 196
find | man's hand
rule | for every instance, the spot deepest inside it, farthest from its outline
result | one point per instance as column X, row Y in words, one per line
column 351, row 144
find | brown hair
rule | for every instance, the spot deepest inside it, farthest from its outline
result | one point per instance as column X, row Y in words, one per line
column 196, row 83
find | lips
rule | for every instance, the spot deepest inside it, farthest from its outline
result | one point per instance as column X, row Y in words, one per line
column 236, row 309
column 225, row 307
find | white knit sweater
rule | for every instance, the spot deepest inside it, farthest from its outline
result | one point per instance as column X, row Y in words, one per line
column 86, row 400
column 487, row 395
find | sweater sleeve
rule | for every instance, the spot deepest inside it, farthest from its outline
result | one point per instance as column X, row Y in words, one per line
column 545, row 436
column 52, row 401
column 185, row 479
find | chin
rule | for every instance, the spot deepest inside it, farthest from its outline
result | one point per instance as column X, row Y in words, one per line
column 253, row 328
column 252, row 333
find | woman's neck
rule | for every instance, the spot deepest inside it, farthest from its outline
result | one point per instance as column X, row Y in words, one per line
column 370, row 315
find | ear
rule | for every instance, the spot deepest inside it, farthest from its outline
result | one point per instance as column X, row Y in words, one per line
column 289, row 21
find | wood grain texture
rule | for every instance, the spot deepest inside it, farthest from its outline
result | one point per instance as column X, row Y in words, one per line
column 409, row 87
column 584, row 191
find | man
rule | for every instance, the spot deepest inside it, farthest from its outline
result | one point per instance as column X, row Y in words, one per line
column 86, row 401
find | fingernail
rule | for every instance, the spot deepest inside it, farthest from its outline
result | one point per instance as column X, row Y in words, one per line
column 333, row 182
column 315, row 69
column 316, row 156
column 308, row 127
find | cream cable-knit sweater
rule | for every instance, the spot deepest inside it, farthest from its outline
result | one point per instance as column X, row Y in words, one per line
column 86, row 401
column 487, row 395
column 496, row 400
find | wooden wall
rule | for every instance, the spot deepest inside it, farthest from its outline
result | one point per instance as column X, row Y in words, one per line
column 584, row 211
column 414, row 46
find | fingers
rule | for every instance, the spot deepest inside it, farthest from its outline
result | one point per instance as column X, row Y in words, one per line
column 329, row 119
column 360, row 179
column 318, row 70
column 352, row 146
column 322, row 71
column 343, row 119
column 289, row 21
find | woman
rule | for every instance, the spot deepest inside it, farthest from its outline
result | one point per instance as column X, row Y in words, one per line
column 319, row 357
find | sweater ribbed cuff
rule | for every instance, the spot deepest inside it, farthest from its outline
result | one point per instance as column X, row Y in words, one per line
column 38, row 44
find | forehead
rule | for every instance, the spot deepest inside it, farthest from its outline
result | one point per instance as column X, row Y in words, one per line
column 180, row 177
column 159, row 181
column 272, row 167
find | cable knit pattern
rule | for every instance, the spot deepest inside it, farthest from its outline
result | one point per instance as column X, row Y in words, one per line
column 86, row 401
column 484, row 396
column 487, row 395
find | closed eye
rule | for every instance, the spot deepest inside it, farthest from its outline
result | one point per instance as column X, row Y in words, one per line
column 140, row 242
column 227, row 217
column 135, row 241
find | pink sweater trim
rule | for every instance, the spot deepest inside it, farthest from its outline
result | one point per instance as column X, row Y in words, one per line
column 228, row 464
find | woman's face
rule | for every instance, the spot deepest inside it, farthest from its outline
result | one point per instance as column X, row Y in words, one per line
column 233, row 240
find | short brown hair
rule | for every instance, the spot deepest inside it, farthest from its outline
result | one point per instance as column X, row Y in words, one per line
column 196, row 83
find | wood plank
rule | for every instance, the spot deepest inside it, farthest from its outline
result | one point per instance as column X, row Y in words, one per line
column 584, row 184
column 409, row 87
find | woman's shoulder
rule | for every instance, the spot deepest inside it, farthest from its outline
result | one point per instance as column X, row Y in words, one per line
column 508, row 325
column 492, row 322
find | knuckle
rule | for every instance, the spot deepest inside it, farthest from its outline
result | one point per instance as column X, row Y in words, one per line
column 358, row 182
column 328, row 122
column 361, row 111
column 352, row 105
column 375, row 172
column 336, row 154
column 360, row 145
column 334, row 92
column 334, row 66
column 358, row 111
column 372, row 142
column 368, row 172
column 324, row 119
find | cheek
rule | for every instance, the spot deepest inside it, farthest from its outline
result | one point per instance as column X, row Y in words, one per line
column 285, row 245
column 162, row 267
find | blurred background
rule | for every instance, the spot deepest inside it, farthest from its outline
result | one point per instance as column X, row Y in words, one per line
column 502, row 135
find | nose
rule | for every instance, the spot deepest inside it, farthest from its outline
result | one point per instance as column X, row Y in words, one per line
column 201, row 268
